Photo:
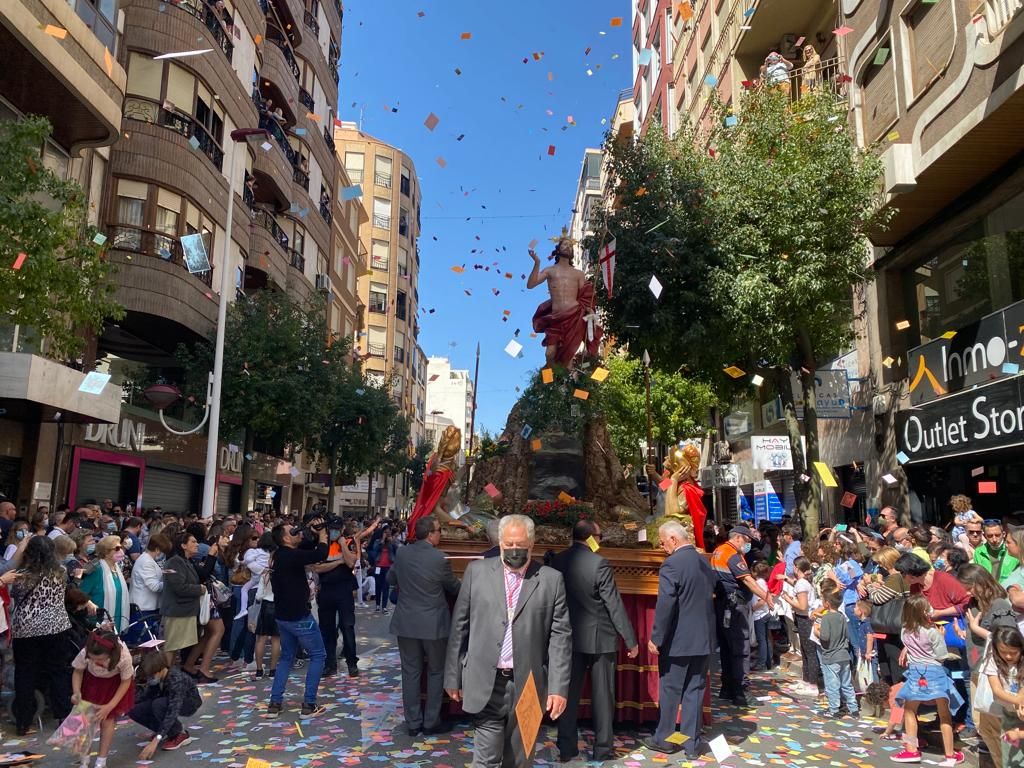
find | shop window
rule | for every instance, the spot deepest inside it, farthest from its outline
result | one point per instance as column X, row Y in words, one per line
column 980, row 272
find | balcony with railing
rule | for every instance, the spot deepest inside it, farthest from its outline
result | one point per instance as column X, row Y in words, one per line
column 150, row 111
column 266, row 220
column 300, row 177
column 382, row 180
column 310, row 21
column 273, row 127
column 297, row 260
column 153, row 244
column 375, row 350
column 378, row 305
column 827, row 76
column 306, row 99
column 217, row 26
column 381, row 222
column 399, row 355
column 325, row 211
column 329, row 139
column 379, row 263
column 999, row 13
column 286, row 51
column 403, row 226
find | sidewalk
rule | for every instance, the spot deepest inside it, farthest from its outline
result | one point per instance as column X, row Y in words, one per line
column 363, row 726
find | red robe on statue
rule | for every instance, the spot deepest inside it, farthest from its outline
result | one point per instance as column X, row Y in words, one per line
column 435, row 483
column 694, row 494
column 567, row 330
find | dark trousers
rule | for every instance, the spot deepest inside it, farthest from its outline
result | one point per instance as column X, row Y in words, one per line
column 43, row 663
column 682, row 680
column 337, row 611
column 150, row 713
column 382, row 589
column 889, row 666
column 733, row 646
column 496, row 741
column 602, row 707
column 809, row 652
column 414, row 652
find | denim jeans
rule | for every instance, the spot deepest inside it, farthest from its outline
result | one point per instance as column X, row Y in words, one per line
column 765, row 646
column 304, row 633
column 839, row 683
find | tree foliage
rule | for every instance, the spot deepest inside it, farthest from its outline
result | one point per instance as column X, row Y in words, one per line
column 680, row 406
column 62, row 289
column 757, row 231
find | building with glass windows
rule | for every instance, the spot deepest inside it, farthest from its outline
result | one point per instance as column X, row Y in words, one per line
column 389, row 290
column 163, row 85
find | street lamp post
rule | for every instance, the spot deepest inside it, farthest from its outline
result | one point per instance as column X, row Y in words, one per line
column 239, row 136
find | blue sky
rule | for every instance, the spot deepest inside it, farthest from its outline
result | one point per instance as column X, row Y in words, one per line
column 499, row 174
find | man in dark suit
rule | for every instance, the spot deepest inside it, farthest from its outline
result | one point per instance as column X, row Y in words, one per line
column 682, row 638
column 598, row 619
column 511, row 621
column 421, row 621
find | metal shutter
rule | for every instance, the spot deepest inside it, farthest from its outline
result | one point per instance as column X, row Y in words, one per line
column 174, row 491
column 228, row 495
column 97, row 481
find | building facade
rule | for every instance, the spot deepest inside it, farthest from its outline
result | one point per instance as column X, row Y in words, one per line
column 653, row 86
column 389, row 290
column 449, row 400
column 939, row 88
column 172, row 168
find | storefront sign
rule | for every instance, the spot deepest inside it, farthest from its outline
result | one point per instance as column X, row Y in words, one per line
column 979, row 420
column 767, row 504
column 230, row 461
column 720, row 476
column 771, row 452
column 991, row 348
column 128, row 435
column 832, row 394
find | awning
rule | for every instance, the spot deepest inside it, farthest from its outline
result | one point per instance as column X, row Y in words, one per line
column 34, row 389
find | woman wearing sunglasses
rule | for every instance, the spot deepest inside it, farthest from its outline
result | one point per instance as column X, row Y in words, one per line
column 106, row 585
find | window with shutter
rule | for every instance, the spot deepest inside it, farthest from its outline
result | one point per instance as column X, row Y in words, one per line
column 931, row 32
column 878, row 82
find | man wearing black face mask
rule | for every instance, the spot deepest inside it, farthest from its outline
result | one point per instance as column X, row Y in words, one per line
column 511, row 623
column 335, row 602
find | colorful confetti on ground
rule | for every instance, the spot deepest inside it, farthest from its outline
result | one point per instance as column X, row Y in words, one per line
column 363, row 726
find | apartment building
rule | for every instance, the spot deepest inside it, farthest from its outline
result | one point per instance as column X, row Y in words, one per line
column 196, row 77
column 653, row 85
column 59, row 61
column 939, row 93
column 449, row 400
column 389, row 290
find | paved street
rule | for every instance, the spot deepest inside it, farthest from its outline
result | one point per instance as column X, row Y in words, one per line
column 363, row 726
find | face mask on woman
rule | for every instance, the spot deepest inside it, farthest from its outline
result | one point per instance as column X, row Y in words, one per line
column 118, row 555
column 90, row 549
column 19, row 535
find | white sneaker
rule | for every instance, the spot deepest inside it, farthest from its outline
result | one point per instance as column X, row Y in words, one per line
column 250, row 667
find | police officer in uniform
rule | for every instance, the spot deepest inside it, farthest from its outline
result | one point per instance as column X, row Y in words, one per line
column 734, row 586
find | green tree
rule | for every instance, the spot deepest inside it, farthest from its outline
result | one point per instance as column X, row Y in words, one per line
column 273, row 377
column 364, row 430
column 418, row 464
column 680, row 406
column 61, row 290
column 781, row 200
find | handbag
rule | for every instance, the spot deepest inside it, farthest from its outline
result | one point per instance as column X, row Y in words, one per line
column 204, row 609
column 984, row 700
column 950, row 634
column 219, row 591
column 252, row 616
column 242, row 575
column 887, row 618
column 865, row 676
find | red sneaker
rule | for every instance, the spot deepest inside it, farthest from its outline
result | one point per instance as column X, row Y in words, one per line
column 908, row 756
column 177, row 741
column 952, row 760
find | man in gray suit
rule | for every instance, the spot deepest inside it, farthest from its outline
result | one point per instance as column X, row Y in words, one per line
column 510, row 621
column 421, row 621
column 598, row 619
column 682, row 638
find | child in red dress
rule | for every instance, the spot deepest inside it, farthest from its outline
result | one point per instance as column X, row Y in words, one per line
column 103, row 675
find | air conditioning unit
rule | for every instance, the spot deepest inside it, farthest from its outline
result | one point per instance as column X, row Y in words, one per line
column 322, row 283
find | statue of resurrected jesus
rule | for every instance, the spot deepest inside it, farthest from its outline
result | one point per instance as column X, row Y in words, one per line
column 568, row 318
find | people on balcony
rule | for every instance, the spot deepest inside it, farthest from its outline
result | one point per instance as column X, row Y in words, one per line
column 775, row 71
column 811, row 74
